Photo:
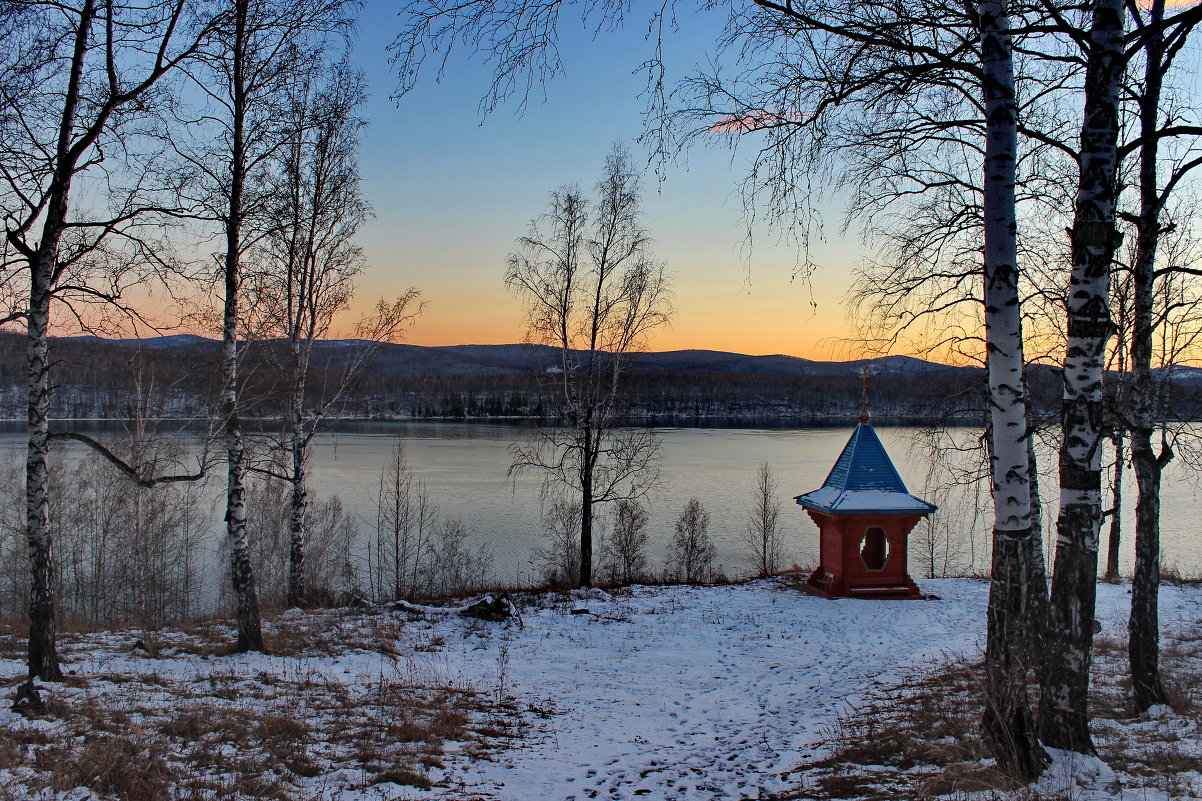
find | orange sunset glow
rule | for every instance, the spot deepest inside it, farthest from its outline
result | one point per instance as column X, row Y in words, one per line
column 773, row 315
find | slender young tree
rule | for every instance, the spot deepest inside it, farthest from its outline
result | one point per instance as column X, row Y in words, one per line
column 1160, row 48
column 593, row 293
column 625, row 549
column 691, row 553
column 762, row 532
column 76, row 94
column 264, row 48
column 318, row 261
column 311, row 264
column 405, row 519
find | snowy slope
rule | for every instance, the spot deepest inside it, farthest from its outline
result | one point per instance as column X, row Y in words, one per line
column 659, row 693
column 687, row 693
column 717, row 693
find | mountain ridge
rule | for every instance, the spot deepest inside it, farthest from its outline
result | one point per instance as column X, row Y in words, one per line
column 408, row 359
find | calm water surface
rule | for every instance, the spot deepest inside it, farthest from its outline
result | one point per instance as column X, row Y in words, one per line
column 464, row 468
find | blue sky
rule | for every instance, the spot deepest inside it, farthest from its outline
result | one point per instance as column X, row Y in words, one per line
column 453, row 190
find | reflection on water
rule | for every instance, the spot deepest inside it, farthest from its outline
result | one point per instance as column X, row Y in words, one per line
column 464, row 469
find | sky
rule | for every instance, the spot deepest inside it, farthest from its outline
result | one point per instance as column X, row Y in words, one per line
column 452, row 191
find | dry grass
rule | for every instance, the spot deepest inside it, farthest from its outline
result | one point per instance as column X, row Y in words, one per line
column 921, row 739
column 1175, row 574
column 913, row 740
column 222, row 733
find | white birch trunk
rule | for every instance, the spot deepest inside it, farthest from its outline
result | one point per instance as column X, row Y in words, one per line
column 1064, row 713
column 43, row 650
column 250, row 637
column 1009, row 727
column 299, row 446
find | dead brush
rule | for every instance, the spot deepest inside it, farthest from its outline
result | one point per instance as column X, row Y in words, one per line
column 904, row 740
column 404, row 777
column 127, row 767
column 230, row 734
column 290, row 638
column 193, row 725
column 918, row 739
column 12, row 646
column 922, row 738
column 11, row 753
column 207, row 638
column 1184, row 694
column 285, row 740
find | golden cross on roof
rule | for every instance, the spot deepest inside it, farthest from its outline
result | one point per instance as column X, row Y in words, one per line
column 864, row 415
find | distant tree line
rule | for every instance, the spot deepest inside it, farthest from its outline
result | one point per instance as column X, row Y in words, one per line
column 101, row 380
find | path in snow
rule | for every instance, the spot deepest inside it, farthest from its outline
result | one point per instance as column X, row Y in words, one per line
column 703, row 693
column 710, row 693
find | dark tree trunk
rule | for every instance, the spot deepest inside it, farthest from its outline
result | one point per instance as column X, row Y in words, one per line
column 298, row 445
column 1115, row 540
column 297, row 590
column 586, row 531
column 250, row 636
column 43, row 652
column 1063, row 710
column 1009, row 726
column 1144, row 624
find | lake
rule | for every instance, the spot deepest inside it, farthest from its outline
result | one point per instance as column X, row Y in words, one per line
column 463, row 466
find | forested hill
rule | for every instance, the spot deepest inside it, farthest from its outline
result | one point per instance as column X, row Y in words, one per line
column 177, row 376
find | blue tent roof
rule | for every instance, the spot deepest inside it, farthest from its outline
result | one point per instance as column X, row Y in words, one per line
column 864, row 480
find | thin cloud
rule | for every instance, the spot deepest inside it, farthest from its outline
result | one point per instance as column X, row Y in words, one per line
column 744, row 123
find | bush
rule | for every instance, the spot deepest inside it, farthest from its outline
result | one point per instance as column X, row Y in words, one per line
column 691, row 557
column 624, row 552
column 762, row 534
column 455, row 567
column 559, row 561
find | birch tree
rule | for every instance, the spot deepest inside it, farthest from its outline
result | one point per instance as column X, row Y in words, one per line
column 264, row 48
column 1008, row 723
column 594, row 293
column 311, row 264
column 1064, row 681
column 79, row 82
column 1160, row 49
column 313, row 260
column 762, row 532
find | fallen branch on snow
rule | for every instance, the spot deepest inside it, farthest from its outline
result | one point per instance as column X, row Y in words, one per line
column 492, row 608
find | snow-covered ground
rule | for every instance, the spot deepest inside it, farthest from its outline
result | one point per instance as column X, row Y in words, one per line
column 660, row 693
column 707, row 693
